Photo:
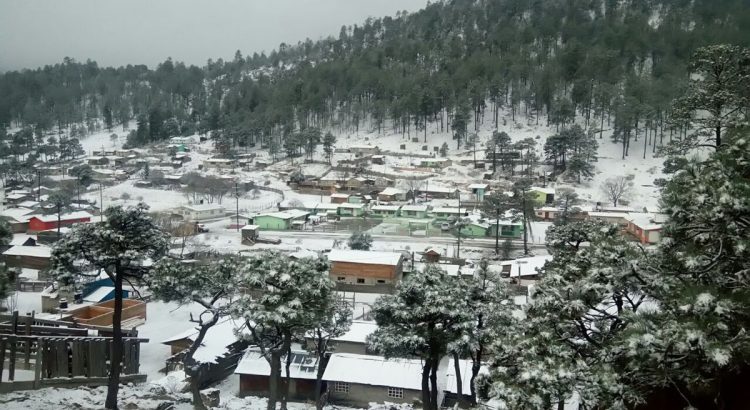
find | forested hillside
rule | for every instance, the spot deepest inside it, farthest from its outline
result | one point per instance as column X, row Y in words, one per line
column 449, row 66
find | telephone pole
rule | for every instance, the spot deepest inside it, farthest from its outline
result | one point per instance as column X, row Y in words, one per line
column 237, row 204
column 101, row 203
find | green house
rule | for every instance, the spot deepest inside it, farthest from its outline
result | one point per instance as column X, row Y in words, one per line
column 508, row 229
column 475, row 229
column 414, row 211
column 445, row 213
column 384, row 211
column 347, row 209
column 543, row 196
column 479, row 190
column 281, row 221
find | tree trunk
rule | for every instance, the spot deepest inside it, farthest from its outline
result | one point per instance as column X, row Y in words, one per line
column 319, row 380
column 274, row 377
column 497, row 231
column 113, row 384
column 434, row 405
column 189, row 363
column 459, row 380
column 426, row 404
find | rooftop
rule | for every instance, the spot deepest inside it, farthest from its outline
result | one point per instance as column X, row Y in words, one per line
column 304, row 365
column 374, row 371
column 370, row 257
column 63, row 217
column 34, row 251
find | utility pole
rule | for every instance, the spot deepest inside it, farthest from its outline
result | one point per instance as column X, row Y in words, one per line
column 459, row 224
column 237, row 204
column 101, row 203
column 38, row 185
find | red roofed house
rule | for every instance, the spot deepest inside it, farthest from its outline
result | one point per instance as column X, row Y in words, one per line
column 47, row 222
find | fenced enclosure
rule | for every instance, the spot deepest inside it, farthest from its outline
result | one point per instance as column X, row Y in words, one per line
column 36, row 353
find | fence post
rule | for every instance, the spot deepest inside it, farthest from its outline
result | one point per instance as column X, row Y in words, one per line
column 2, row 357
column 38, row 363
column 12, row 357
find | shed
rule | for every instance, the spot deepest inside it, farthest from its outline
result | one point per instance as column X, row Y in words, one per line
column 201, row 212
column 391, row 194
column 279, row 220
column 385, row 211
column 543, row 195
column 47, row 222
column 365, row 267
column 414, row 211
column 348, row 209
column 354, row 340
column 254, row 373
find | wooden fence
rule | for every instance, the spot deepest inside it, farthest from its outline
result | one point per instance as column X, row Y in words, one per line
column 37, row 353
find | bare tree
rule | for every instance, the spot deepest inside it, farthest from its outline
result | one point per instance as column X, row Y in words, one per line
column 414, row 186
column 616, row 188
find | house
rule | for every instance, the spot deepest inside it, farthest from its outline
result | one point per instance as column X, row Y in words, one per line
column 431, row 255
column 617, row 218
column 356, row 380
column 357, row 183
column 447, row 212
column 249, row 234
column 218, row 163
column 438, row 192
column 97, row 161
column 29, row 257
column 360, row 150
column 201, row 212
column 46, row 222
column 385, row 211
column 280, row 221
column 475, row 229
column 524, row 270
column 182, row 140
column 348, row 209
column 645, row 227
column 17, row 218
column 508, row 228
column 547, row 213
column 14, row 198
column 339, row 198
column 414, row 211
column 391, row 194
column 353, row 341
column 29, row 204
column 542, row 195
column 435, row 162
column 327, row 209
column 254, row 373
column 479, row 190
column 366, row 268
column 378, row 159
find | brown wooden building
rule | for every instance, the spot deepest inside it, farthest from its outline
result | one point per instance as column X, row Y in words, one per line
column 254, row 372
column 366, row 268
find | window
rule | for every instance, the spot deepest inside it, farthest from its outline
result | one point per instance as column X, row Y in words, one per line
column 360, row 280
column 395, row 393
column 381, row 281
column 341, row 387
column 341, row 279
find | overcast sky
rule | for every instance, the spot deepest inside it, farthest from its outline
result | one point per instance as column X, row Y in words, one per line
column 117, row 32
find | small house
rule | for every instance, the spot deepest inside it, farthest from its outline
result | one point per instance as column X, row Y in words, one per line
column 339, row 198
column 508, row 228
column 475, row 229
column 360, row 150
column 27, row 257
column 524, row 270
column 542, row 195
column 385, row 211
column 414, row 211
column 431, row 255
column 645, row 227
column 201, row 212
column 616, row 218
column 218, row 163
column 366, row 268
column 435, row 163
column 479, row 190
column 447, row 212
column 14, row 198
column 353, row 341
column 357, row 183
column 327, row 209
column 357, row 380
column 391, row 194
column 348, row 209
column 255, row 373
column 281, row 221
column 547, row 213
column 46, row 222
column 17, row 218
column 249, row 234
column 378, row 159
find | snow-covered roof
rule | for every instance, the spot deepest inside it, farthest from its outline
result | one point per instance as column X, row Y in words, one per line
column 219, row 160
column 203, row 207
column 99, row 294
column 448, row 210
column 250, row 228
column 339, row 195
column 358, row 332
column 28, row 204
column 63, row 217
column 327, row 206
column 608, row 215
column 619, row 209
column 35, row 251
column 290, row 214
column 304, row 365
column 374, row 371
column 549, row 209
column 526, row 266
column 351, row 206
column 543, row 189
column 392, row 191
column 215, row 342
column 370, row 257
column 479, row 186
column 18, row 214
column 20, row 239
column 16, row 196
column 417, row 208
column 385, row 207
column 644, row 221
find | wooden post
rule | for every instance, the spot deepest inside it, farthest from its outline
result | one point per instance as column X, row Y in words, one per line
column 38, row 363
column 61, row 353
column 2, row 357
column 27, row 332
column 12, row 356
column 14, row 322
column 77, row 358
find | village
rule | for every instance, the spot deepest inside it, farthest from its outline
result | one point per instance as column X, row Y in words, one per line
column 440, row 214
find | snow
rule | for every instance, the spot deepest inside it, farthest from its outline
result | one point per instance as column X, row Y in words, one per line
column 358, row 332
column 374, row 371
column 33, row 251
column 365, row 257
column 304, row 365
column 64, row 217
column 215, row 341
column 526, row 266
column 203, row 207
column 18, row 214
column 99, row 294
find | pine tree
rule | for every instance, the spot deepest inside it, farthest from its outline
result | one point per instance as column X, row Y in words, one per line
column 284, row 299
column 337, row 321
column 423, row 318
column 123, row 247
column 209, row 285
column 361, row 241
column 328, row 141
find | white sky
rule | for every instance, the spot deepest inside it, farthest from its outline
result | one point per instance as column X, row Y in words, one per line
column 119, row 32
